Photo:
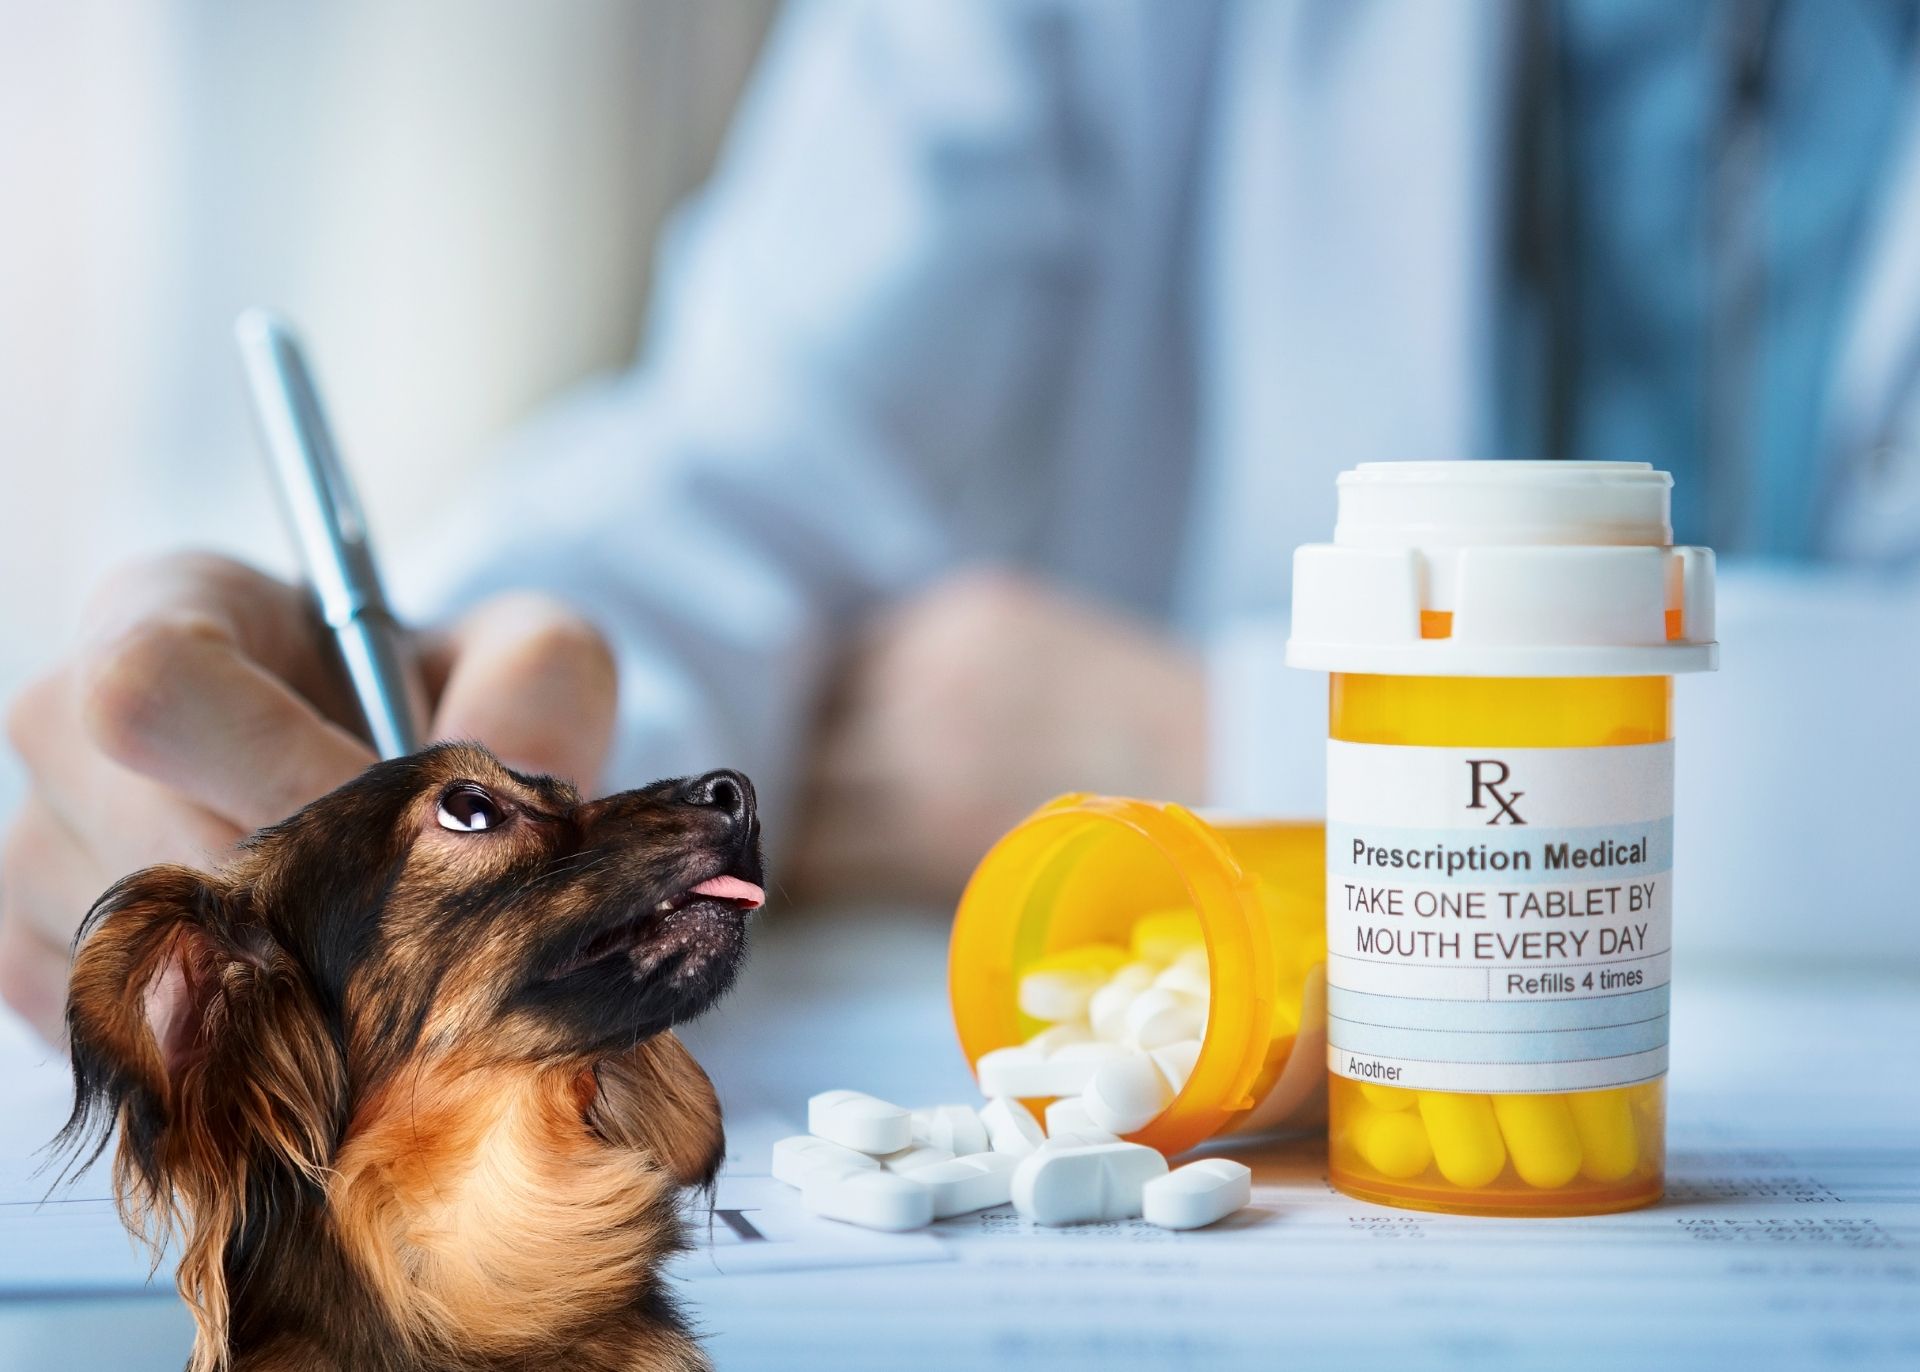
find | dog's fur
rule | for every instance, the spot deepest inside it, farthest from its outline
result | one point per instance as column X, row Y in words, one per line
column 407, row 1094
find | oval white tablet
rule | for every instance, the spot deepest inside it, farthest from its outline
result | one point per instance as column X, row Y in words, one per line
column 872, row 1200
column 797, row 1158
column 1126, row 1094
column 1011, row 1127
column 956, row 1128
column 1107, row 1009
column 1057, row 995
column 914, row 1157
column 856, row 1120
column 967, row 1184
column 1176, row 1061
column 1159, row 1016
column 1082, row 1185
column 1022, row 1073
column 1197, row 1194
column 1068, row 1115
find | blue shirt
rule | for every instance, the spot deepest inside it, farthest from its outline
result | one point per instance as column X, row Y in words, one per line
column 1711, row 170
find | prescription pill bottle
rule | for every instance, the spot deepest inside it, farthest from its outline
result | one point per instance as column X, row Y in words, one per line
column 1501, row 638
column 1158, row 886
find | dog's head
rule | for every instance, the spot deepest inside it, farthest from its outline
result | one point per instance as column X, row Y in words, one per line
column 438, row 909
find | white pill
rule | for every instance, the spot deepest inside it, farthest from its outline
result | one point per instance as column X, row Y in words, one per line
column 853, row 1119
column 1058, row 995
column 1135, row 976
column 1107, row 1010
column 873, row 1200
column 956, row 1128
column 1077, row 1185
column 1186, row 978
column 1158, row 1017
column 1197, row 1194
column 1022, row 1072
column 968, row 1184
column 1011, row 1127
column 1068, row 1115
column 1176, row 1061
column 1093, row 1052
column 1092, row 1137
column 1125, row 1095
column 797, row 1158
column 1055, row 1037
column 915, row 1156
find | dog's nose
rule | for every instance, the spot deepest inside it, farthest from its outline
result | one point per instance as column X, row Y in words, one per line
column 725, row 790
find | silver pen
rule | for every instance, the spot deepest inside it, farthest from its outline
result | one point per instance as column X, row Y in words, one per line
column 323, row 515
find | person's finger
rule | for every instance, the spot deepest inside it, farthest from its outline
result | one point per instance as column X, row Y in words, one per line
column 534, row 682
column 175, row 698
column 272, row 622
column 122, row 820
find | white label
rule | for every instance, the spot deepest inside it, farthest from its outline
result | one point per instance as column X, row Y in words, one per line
column 1499, row 919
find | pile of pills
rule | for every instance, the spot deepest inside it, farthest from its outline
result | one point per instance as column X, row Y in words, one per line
column 1123, row 1032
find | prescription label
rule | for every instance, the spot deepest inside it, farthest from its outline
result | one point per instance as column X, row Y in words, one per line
column 1499, row 919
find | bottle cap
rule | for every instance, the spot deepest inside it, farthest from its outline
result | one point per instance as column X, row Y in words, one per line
column 1503, row 569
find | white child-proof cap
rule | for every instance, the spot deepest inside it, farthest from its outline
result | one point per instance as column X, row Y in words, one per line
column 1534, row 568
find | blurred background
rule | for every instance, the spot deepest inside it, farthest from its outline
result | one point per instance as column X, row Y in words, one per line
column 169, row 162
column 935, row 324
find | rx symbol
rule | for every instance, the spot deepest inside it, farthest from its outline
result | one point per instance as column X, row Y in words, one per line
column 1489, row 775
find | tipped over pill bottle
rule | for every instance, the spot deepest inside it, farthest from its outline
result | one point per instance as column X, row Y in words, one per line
column 1501, row 639
column 1103, row 929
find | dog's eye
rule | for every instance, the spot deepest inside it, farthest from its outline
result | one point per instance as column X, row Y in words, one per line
column 467, row 809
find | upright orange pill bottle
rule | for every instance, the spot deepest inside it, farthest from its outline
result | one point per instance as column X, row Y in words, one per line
column 1501, row 639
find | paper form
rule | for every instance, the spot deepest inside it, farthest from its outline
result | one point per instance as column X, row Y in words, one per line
column 1790, row 1237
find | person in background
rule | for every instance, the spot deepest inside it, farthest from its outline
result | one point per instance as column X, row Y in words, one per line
column 1003, row 363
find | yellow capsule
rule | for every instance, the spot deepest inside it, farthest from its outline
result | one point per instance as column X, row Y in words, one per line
column 1164, row 935
column 1465, row 1137
column 1391, row 1142
column 1609, row 1144
column 1386, row 1097
column 1540, row 1136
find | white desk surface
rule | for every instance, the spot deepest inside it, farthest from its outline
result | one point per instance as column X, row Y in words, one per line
column 1790, row 1238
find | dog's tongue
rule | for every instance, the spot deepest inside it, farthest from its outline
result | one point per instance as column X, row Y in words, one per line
column 732, row 888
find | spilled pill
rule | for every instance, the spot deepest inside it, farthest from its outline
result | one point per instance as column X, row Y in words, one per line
column 873, row 1200
column 963, row 1185
column 1079, row 1185
column 856, row 1120
column 1021, row 1072
column 956, row 1128
column 796, row 1158
column 915, row 1156
column 1011, row 1127
column 1197, row 1194
column 1068, row 1115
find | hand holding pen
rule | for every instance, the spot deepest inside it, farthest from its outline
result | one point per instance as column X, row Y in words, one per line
column 205, row 698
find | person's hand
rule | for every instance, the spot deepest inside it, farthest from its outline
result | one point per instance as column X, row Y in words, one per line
column 204, row 702
column 964, row 708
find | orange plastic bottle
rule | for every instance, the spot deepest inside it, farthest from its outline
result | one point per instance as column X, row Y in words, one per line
column 1501, row 639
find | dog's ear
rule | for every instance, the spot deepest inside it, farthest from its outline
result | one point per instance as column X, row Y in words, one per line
column 193, row 1030
column 655, row 1098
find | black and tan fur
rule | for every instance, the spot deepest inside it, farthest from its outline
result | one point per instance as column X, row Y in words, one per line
column 408, row 1095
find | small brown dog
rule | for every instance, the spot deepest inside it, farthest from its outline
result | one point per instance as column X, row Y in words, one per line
column 401, row 1075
